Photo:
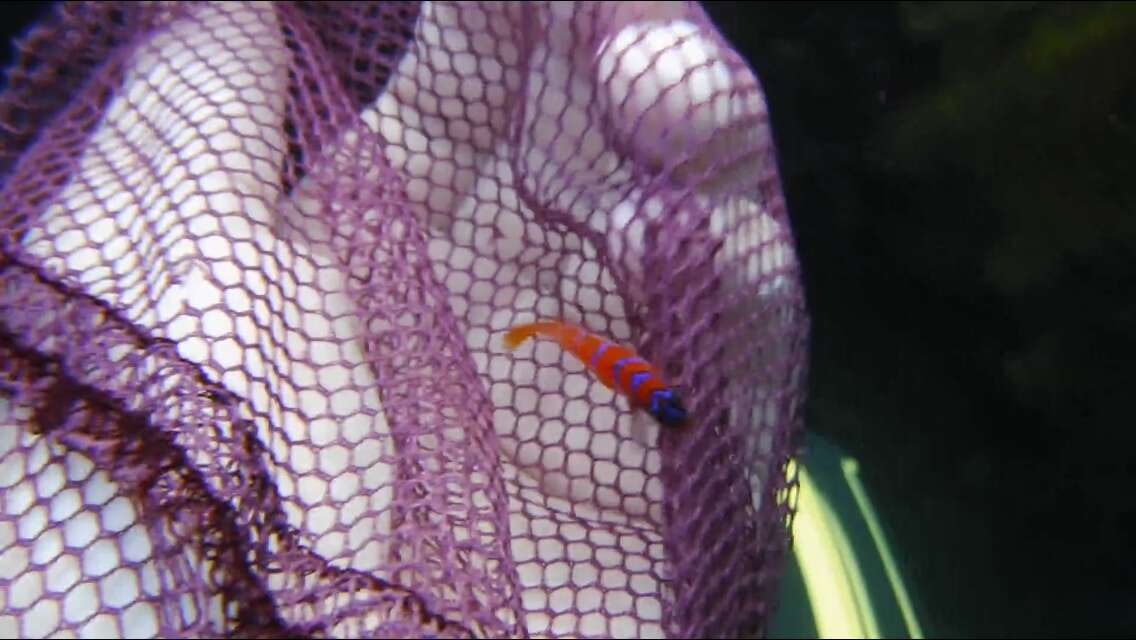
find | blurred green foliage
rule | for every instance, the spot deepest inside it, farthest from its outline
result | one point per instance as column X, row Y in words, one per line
column 1042, row 123
column 961, row 181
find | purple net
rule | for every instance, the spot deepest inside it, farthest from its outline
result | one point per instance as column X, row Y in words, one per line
column 256, row 264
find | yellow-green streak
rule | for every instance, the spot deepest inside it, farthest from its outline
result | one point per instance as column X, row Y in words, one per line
column 851, row 473
column 837, row 592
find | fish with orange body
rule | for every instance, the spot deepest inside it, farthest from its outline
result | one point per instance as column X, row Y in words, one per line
column 617, row 366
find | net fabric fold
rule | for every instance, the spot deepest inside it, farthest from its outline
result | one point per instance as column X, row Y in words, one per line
column 256, row 262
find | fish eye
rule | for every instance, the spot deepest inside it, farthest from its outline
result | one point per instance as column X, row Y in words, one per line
column 672, row 411
column 667, row 408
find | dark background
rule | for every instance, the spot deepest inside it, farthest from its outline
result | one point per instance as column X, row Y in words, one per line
column 962, row 183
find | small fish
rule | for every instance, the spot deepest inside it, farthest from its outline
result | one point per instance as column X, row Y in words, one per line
column 617, row 366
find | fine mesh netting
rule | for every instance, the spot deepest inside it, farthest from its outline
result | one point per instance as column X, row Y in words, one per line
column 256, row 264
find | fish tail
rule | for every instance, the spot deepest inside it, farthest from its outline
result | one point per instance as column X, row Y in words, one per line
column 518, row 334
